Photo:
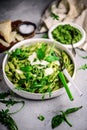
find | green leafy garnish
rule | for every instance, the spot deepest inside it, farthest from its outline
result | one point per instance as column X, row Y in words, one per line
column 71, row 110
column 10, row 102
column 65, row 119
column 20, row 54
column 7, row 120
column 54, row 16
column 41, row 117
column 45, row 35
column 26, row 68
column 41, row 52
column 51, row 58
column 58, row 119
column 3, row 95
column 5, row 115
column 84, row 57
column 83, row 67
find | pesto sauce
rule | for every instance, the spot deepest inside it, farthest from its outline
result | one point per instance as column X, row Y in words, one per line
column 66, row 34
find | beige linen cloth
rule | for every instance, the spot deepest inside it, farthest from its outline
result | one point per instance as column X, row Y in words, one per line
column 68, row 11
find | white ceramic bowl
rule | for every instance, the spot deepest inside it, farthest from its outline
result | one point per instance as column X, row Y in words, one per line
column 79, row 43
column 30, row 95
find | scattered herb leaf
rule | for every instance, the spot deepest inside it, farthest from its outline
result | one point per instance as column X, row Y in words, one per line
column 3, row 95
column 58, row 119
column 5, row 115
column 84, row 57
column 54, row 16
column 83, row 67
column 65, row 119
column 45, row 35
column 7, row 120
column 41, row 117
column 10, row 102
column 71, row 110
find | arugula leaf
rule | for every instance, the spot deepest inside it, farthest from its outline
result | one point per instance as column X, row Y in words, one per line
column 3, row 95
column 83, row 67
column 7, row 120
column 54, row 16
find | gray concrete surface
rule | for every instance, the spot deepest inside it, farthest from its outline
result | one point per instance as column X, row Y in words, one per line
column 26, row 119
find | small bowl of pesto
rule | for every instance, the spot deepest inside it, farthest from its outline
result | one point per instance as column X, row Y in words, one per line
column 31, row 68
column 67, row 33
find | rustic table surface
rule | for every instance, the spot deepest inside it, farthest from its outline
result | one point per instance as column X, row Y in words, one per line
column 26, row 119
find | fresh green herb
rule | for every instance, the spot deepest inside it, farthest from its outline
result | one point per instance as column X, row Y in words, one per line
column 41, row 52
column 84, row 57
column 51, row 58
column 20, row 54
column 62, row 78
column 7, row 120
column 45, row 35
column 71, row 110
column 10, row 102
column 26, row 68
column 83, row 67
column 58, row 119
column 41, row 117
column 3, row 95
column 54, row 16
column 65, row 119
column 5, row 115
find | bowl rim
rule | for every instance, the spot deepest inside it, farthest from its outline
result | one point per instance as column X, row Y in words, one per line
column 79, row 43
column 29, row 95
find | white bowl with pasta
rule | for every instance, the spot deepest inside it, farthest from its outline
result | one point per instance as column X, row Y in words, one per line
column 31, row 67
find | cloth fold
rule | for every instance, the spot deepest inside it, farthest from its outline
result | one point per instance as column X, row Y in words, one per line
column 68, row 11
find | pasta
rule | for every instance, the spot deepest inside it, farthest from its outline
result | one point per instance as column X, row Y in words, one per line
column 35, row 68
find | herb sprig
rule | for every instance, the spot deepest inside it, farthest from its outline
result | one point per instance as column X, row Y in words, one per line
column 41, row 117
column 5, row 115
column 54, row 16
column 58, row 119
column 3, row 95
column 83, row 67
column 7, row 120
